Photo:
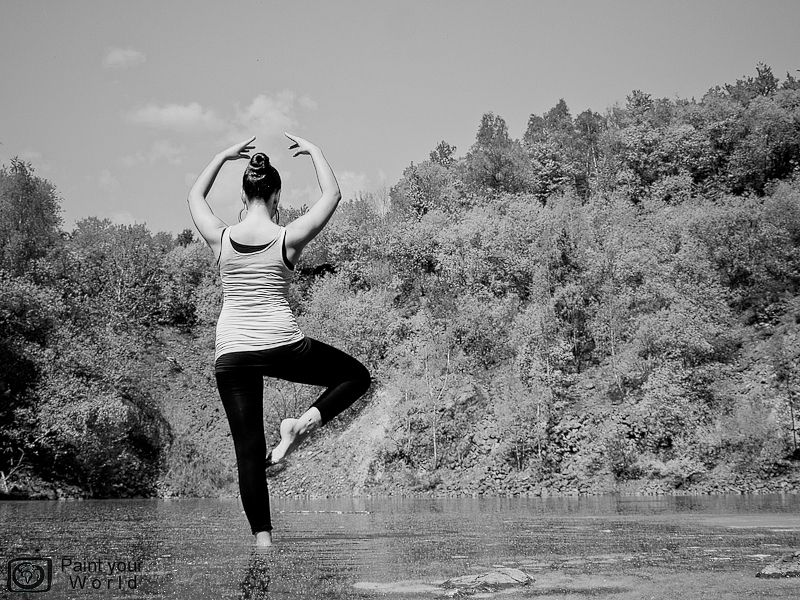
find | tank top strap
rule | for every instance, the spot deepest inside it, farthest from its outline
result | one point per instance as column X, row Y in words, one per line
column 282, row 241
column 222, row 242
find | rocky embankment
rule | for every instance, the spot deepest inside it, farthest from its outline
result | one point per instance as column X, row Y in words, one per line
column 349, row 463
column 309, row 481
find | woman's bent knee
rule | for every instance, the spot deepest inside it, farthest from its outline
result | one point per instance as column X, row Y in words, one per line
column 364, row 382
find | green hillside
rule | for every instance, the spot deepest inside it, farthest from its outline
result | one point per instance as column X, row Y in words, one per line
column 609, row 304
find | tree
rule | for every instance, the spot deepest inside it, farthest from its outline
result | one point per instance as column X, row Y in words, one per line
column 29, row 217
column 752, row 249
column 29, row 316
column 589, row 128
column 769, row 147
column 119, row 267
column 185, row 237
column 563, row 153
column 495, row 161
column 638, row 106
column 443, row 154
column 541, row 363
column 425, row 187
column 188, row 270
column 786, row 364
column 749, row 88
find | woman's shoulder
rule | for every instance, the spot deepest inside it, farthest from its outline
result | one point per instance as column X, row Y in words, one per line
column 252, row 236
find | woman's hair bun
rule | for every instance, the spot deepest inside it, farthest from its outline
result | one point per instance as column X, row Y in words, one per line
column 259, row 163
column 260, row 179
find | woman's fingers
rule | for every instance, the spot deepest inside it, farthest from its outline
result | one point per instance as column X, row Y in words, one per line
column 246, row 145
column 301, row 145
column 241, row 149
column 298, row 141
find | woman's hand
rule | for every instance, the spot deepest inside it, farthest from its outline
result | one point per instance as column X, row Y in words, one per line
column 302, row 146
column 239, row 150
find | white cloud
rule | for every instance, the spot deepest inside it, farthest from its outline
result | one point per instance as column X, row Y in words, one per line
column 267, row 116
column 121, row 58
column 122, row 218
column 185, row 118
column 161, row 151
column 298, row 197
column 30, row 155
column 227, row 190
column 131, row 159
column 307, row 103
column 164, row 150
column 108, row 183
column 351, row 183
column 36, row 160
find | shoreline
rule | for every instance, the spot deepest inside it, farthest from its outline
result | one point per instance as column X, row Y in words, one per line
column 276, row 492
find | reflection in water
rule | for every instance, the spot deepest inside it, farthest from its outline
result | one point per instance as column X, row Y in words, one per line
column 364, row 548
column 255, row 585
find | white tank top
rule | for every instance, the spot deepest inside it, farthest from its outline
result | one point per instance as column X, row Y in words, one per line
column 255, row 310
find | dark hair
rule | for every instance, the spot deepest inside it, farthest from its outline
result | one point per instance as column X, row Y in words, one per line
column 261, row 179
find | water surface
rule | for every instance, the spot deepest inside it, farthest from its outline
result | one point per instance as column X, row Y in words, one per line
column 611, row 547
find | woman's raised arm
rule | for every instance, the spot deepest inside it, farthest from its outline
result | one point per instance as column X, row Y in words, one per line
column 305, row 228
column 207, row 223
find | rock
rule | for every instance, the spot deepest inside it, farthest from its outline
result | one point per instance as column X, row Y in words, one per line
column 491, row 581
column 786, row 566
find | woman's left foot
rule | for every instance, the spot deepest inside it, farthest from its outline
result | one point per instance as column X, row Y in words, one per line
column 264, row 539
column 290, row 439
column 293, row 432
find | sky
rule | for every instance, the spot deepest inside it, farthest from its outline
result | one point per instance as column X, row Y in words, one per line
column 121, row 104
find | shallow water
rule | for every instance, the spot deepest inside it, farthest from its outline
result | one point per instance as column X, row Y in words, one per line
column 613, row 547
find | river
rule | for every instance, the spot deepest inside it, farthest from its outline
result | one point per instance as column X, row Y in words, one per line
column 609, row 546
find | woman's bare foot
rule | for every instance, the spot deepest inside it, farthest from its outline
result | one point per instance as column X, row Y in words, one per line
column 289, row 435
column 293, row 432
column 264, row 539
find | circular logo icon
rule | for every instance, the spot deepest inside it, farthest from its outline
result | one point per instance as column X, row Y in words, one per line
column 27, row 576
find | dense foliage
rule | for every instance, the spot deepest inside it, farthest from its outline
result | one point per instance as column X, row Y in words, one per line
column 612, row 297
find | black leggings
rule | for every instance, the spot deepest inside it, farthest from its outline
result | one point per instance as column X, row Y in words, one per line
column 241, row 387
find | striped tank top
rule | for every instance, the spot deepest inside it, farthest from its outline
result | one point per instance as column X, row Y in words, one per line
column 255, row 310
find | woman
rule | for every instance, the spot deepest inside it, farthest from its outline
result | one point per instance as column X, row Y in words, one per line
column 257, row 335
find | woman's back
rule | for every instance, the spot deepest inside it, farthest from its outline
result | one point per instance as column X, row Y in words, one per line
column 255, row 279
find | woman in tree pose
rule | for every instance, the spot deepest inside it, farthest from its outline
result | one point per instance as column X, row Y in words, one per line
column 257, row 335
